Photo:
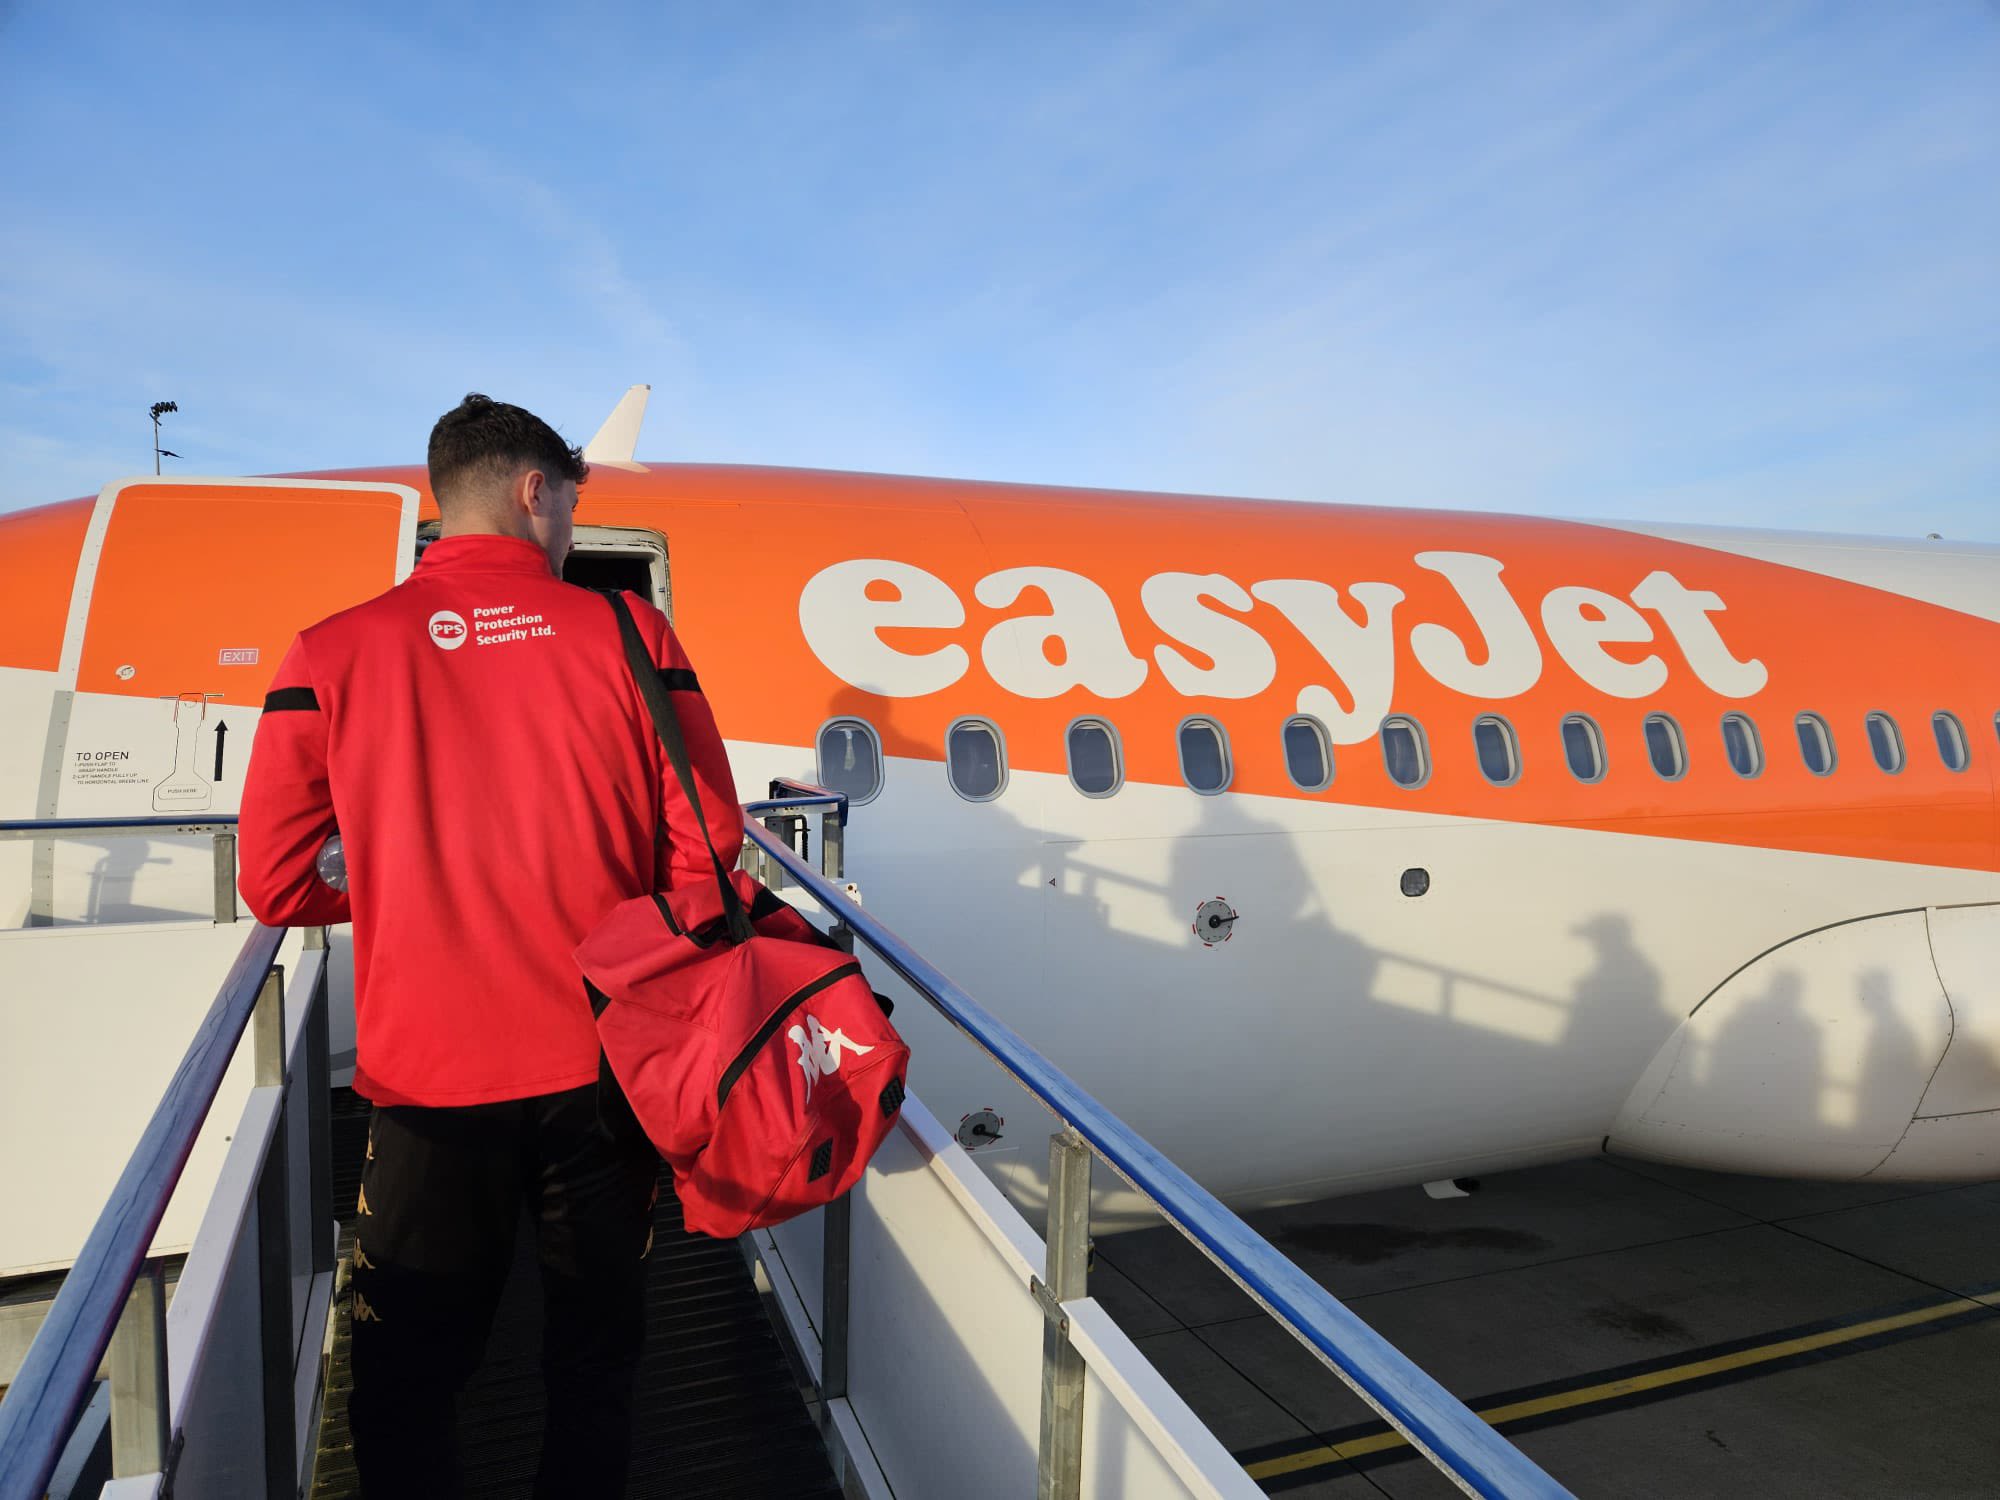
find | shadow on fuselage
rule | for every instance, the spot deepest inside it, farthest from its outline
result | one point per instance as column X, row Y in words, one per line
column 1343, row 1036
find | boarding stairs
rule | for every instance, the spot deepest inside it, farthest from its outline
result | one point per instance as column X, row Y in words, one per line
column 916, row 1339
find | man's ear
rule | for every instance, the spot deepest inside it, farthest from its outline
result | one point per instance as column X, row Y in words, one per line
column 535, row 493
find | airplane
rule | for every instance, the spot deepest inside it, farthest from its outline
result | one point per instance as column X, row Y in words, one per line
column 1332, row 847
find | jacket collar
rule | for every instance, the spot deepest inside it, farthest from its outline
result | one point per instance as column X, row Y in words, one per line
column 485, row 554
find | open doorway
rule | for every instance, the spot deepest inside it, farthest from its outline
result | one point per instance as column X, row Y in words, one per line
column 609, row 571
column 606, row 558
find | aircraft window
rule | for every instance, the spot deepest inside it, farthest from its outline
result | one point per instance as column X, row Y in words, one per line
column 1886, row 741
column 1094, row 767
column 1740, row 743
column 1403, row 752
column 1499, row 755
column 850, row 759
column 975, row 760
column 1308, row 755
column 1583, row 748
column 1815, row 744
column 1665, row 746
column 1204, row 755
column 1950, row 741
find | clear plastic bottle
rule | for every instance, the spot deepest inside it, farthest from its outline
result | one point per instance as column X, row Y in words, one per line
column 332, row 863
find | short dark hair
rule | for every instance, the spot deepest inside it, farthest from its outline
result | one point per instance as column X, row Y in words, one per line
column 481, row 440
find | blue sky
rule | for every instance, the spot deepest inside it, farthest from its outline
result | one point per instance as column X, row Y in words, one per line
column 1733, row 262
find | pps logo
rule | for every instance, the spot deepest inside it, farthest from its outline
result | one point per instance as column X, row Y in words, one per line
column 447, row 630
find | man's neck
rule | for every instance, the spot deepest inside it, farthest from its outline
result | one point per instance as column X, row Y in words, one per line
column 485, row 526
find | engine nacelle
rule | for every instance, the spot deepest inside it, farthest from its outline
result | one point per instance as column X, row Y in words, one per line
column 1869, row 1049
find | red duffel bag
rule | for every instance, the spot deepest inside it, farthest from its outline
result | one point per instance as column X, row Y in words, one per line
column 752, row 1052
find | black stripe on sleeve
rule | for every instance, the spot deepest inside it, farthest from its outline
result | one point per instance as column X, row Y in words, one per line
column 678, row 679
column 280, row 699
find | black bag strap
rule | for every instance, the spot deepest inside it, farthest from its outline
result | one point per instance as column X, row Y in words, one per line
column 646, row 675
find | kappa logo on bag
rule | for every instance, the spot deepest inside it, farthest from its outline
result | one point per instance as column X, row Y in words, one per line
column 819, row 1050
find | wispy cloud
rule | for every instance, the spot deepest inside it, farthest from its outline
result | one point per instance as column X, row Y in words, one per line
column 587, row 261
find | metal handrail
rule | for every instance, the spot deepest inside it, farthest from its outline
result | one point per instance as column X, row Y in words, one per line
column 49, row 1393
column 799, row 795
column 1437, row 1423
column 29, row 828
column 219, row 828
column 53, row 1385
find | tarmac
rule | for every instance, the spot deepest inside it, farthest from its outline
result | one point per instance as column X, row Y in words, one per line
column 1638, row 1330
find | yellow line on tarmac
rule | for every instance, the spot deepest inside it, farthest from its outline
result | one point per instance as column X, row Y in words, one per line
column 1292, row 1463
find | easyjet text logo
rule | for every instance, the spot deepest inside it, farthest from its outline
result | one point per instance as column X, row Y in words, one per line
column 1080, row 641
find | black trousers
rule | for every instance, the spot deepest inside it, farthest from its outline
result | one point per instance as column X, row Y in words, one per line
column 441, row 1193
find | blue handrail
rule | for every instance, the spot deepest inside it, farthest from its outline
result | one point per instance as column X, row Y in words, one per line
column 1435, row 1421
column 41, row 1407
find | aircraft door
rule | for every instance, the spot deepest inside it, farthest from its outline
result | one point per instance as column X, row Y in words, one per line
column 188, row 594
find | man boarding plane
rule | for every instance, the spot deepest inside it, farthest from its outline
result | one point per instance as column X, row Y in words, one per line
column 1332, row 847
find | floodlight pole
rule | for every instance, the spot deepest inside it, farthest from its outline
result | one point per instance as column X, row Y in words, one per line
column 159, row 408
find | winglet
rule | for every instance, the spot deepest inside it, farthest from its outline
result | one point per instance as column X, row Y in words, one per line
column 618, row 438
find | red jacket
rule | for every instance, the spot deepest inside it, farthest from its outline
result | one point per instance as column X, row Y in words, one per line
column 475, row 736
